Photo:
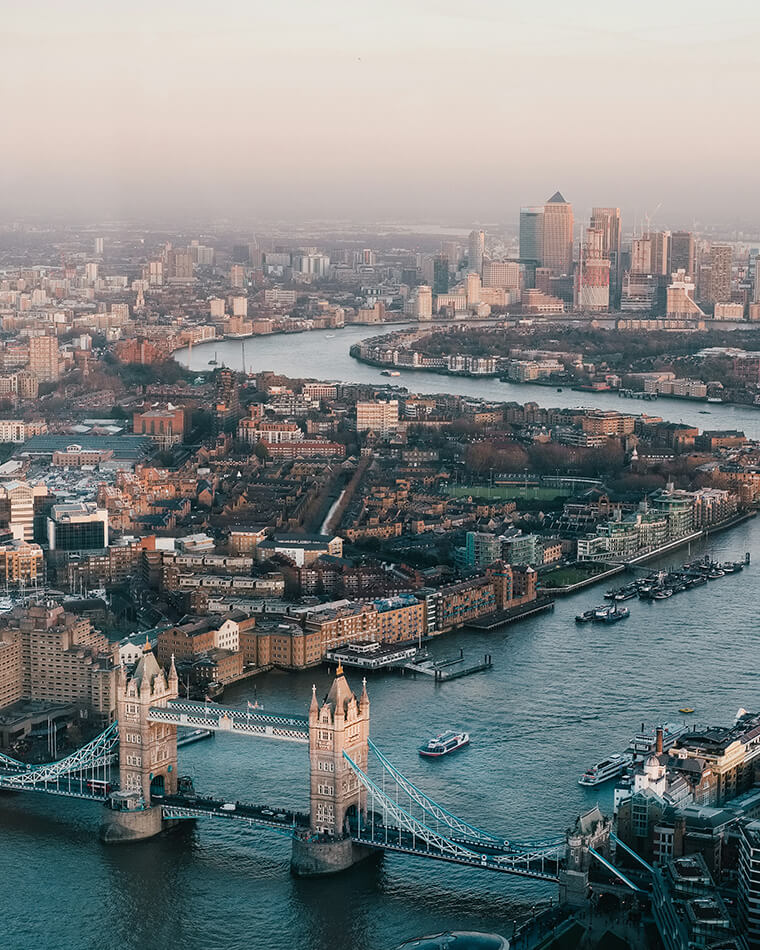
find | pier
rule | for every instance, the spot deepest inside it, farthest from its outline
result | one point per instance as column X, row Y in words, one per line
column 450, row 668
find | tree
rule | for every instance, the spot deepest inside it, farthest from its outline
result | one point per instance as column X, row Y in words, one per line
column 261, row 451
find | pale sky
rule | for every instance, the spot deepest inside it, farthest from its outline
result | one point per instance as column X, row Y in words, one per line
column 417, row 109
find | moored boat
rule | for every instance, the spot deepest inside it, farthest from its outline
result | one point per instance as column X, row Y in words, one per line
column 606, row 769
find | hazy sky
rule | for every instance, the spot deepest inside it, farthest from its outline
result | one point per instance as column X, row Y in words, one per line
column 416, row 108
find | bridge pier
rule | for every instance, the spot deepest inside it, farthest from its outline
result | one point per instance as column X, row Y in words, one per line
column 123, row 827
column 312, row 857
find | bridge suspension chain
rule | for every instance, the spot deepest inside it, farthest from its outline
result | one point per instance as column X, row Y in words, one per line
column 457, row 825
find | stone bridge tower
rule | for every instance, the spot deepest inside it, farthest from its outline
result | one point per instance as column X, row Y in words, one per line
column 147, row 751
column 340, row 724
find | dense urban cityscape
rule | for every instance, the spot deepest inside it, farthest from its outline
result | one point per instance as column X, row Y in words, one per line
column 181, row 523
column 379, row 476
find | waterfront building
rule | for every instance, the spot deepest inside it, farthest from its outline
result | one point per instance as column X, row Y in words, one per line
column 557, row 236
column 677, row 506
column 62, row 659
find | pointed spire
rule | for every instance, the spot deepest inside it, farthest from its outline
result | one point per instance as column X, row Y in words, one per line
column 314, row 707
column 147, row 647
column 339, row 670
column 365, row 696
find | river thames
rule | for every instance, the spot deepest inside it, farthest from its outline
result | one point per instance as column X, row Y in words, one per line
column 560, row 697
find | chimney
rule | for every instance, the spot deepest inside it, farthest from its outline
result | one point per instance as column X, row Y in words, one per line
column 658, row 746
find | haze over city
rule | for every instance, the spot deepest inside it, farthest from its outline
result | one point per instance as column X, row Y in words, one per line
column 416, row 111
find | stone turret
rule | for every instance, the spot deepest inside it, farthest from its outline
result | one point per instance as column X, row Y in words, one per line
column 340, row 724
column 147, row 751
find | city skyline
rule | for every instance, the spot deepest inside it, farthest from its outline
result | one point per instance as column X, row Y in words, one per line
column 331, row 113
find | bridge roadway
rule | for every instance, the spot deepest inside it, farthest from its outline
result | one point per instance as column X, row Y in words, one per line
column 191, row 806
column 244, row 722
column 540, row 865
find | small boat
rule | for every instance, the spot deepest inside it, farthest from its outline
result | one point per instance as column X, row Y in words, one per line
column 610, row 594
column 214, row 361
column 715, row 574
column 329, row 336
column 686, row 710
column 585, row 616
column 663, row 594
column 390, row 372
column 618, row 613
column 443, row 744
column 559, row 389
column 606, row 769
column 625, row 594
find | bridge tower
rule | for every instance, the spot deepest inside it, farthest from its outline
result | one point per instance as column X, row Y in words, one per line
column 147, row 751
column 591, row 831
column 340, row 724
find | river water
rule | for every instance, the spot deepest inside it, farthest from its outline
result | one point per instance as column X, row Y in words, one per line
column 559, row 698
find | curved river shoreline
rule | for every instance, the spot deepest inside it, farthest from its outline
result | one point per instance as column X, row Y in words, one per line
column 323, row 354
column 559, row 698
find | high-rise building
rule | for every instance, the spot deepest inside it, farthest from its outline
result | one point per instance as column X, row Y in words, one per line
column 749, row 881
column 78, row 526
column 680, row 298
column 721, row 263
column 607, row 220
column 377, row 416
column 504, row 274
column 19, row 502
column 63, row 659
column 641, row 255
column 423, row 304
column 659, row 252
column 682, row 254
column 476, row 250
column 453, row 252
column 473, row 289
column 237, row 276
column 43, row 358
column 531, row 234
column 557, row 240
column 440, row 274
column 592, row 287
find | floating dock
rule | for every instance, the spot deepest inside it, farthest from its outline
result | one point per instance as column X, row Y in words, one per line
column 450, row 668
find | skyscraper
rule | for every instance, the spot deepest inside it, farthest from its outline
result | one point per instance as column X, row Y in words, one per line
column 476, row 250
column 592, row 288
column 531, row 233
column 721, row 263
column 682, row 253
column 557, row 242
column 440, row 274
column 607, row 220
column 660, row 241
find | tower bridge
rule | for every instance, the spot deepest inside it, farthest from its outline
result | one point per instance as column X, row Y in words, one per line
column 359, row 802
